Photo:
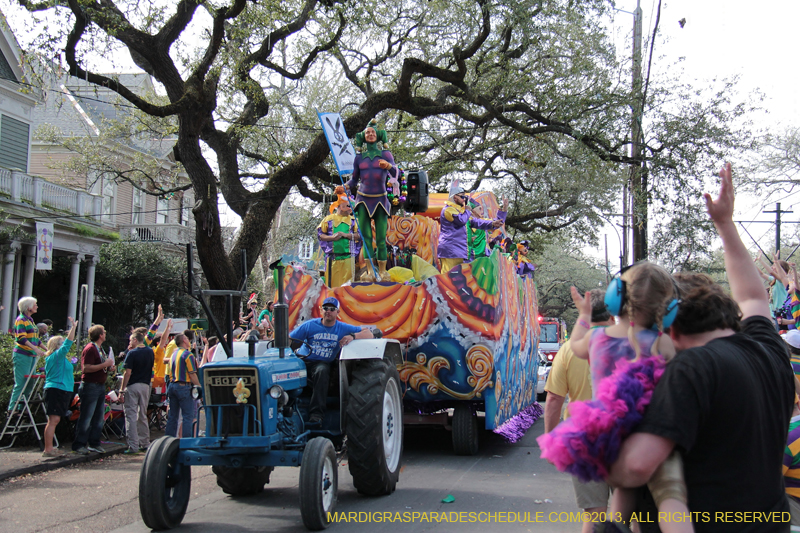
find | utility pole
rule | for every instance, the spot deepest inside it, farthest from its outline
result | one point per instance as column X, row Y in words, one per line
column 638, row 179
column 608, row 274
column 778, row 227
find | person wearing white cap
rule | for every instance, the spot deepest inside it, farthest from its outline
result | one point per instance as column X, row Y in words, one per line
column 453, row 220
column 792, row 339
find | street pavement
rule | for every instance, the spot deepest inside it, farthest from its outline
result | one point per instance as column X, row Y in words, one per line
column 502, row 485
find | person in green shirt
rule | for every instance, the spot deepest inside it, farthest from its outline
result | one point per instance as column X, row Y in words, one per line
column 476, row 238
column 58, row 386
column 339, row 239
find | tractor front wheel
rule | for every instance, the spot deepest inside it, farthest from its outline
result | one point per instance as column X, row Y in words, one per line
column 164, row 485
column 319, row 483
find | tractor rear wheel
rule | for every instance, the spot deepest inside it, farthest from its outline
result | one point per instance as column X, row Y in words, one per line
column 242, row 481
column 375, row 426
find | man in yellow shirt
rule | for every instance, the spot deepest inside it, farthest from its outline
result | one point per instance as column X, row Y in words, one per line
column 570, row 376
column 159, row 365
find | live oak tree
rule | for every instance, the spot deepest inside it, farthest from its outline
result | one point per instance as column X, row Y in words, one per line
column 525, row 96
column 560, row 265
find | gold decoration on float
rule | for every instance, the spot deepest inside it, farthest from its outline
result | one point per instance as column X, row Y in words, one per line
column 424, row 372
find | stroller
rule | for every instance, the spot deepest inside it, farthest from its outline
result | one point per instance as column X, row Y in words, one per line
column 157, row 406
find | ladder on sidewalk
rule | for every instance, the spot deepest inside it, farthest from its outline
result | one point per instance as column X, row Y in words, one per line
column 31, row 406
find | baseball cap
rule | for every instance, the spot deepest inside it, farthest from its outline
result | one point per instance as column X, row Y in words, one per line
column 792, row 338
column 330, row 300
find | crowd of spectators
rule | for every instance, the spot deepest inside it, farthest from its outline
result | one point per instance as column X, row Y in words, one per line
column 726, row 403
column 157, row 361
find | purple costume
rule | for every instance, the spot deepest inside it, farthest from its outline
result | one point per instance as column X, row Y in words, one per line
column 453, row 234
column 372, row 189
column 525, row 267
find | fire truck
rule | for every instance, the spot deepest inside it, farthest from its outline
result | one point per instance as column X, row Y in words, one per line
column 552, row 336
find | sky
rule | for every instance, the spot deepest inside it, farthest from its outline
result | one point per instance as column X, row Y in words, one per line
column 720, row 39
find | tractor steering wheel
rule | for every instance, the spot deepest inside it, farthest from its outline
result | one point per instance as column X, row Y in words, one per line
column 301, row 348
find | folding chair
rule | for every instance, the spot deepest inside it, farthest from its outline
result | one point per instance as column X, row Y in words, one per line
column 113, row 413
column 31, row 406
column 157, row 408
column 111, row 426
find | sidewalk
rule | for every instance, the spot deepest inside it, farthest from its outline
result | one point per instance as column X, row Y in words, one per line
column 19, row 460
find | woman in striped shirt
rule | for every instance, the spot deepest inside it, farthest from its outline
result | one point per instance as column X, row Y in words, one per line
column 26, row 350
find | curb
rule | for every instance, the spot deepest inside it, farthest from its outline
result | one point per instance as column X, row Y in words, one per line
column 68, row 460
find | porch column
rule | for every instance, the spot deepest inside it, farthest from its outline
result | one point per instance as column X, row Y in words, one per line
column 17, row 277
column 30, row 267
column 9, row 311
column 91, row 264
column 72, row 306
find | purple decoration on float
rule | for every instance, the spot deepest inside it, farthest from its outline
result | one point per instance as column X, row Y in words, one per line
column 515, row 427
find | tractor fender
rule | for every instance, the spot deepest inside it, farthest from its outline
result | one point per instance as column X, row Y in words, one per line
column 372, row 349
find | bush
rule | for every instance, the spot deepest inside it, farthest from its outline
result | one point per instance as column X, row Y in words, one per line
column 6, row 374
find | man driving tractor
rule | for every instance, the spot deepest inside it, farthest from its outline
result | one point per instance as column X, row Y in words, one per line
column 325, row 336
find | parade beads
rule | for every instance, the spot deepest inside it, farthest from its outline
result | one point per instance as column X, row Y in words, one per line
column 403, row 188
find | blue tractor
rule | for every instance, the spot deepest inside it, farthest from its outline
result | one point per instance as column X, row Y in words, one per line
column 255, row 410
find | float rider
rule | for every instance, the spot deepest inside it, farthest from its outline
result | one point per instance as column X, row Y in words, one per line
column 453, row 221
column 525, row 267
column 370, row 172
column 338, row 238
column 476, row 238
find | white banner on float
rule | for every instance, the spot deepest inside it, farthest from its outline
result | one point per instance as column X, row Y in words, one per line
column 342, row 151
column 44, row 246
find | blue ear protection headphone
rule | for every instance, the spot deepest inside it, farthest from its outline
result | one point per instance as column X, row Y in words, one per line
column 615, row 299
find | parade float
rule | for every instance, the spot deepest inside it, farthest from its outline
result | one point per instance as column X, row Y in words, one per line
column 469, row 337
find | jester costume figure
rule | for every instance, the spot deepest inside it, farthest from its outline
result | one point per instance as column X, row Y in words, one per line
column 453, row 235
column 524, row 266
column 476, row 238
column 370, row 172
column 338, row 238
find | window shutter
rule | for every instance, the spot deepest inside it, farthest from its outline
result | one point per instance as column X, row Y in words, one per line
column 13, row 143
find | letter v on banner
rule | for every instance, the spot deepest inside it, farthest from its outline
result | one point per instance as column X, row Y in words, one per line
column 44, row 246
column 342, row 151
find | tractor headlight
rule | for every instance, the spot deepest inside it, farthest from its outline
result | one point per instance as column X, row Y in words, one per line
column 277, row 392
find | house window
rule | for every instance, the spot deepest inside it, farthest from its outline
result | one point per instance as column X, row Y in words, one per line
column 306, row 249
column 162, row 211
column 184, row 212
column 138, row 206
column 109, row 200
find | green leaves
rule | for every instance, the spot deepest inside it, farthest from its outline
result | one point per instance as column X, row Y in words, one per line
column 133, row 278
column 523, row 97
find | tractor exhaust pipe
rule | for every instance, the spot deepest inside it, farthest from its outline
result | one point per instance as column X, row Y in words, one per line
column 280, row 312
